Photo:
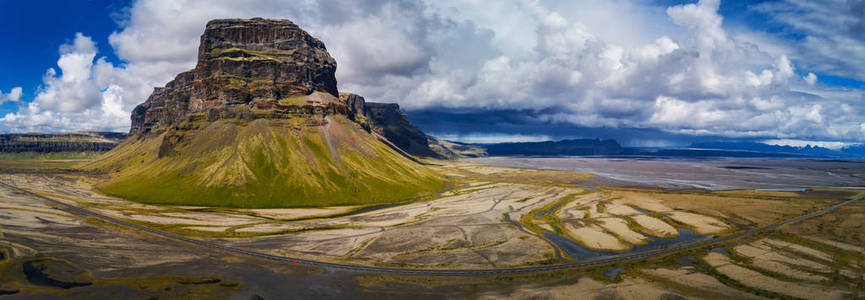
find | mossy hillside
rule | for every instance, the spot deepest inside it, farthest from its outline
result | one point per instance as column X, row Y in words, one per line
column 266, row 163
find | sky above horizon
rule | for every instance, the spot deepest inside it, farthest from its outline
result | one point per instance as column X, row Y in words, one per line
column 647, row 73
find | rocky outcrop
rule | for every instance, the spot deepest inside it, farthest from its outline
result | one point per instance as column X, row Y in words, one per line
column 247, row 68
column 356, row 103
column 387, row 120
column 60, row 142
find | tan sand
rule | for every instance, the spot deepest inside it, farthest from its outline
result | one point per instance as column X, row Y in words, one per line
column 621, row 229
column 642, row 200
column 837, row 244
column 208, row 228
column 799, row 249
column 655, row 226
column 702, row 283
column 752, row 278
column 595, row 238
column 297, row 213
column 778, row 263
column 570, row 212
column 12, row 218
column 216, row 218
column 701, row 224
column 486, row 170
column 270, row 227
column 157, row 219
column 614, row 208
column 587, row 288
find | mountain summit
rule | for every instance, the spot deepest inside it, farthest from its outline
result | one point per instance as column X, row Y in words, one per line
column 259, row 122
column 253, row 68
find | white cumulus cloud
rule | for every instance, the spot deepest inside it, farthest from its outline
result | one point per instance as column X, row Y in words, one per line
column 677, row 68
column 14, row 95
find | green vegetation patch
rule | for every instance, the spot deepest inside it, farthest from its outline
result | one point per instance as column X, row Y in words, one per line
column 261, row 165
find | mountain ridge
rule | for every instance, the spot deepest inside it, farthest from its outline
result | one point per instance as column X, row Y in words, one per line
column 80, row 141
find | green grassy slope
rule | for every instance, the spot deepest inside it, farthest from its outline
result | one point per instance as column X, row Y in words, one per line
column 265, row 163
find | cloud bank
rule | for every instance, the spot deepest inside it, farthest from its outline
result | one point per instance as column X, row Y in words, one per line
column 676, row 69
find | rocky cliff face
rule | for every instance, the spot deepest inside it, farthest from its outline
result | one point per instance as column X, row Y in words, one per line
column 387, row 120
column 59, row 142
column 249, row 69
column 265, row 69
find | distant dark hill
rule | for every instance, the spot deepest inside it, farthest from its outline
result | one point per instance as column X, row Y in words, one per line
column 855, row 150
column 741, row 149
column 770, row 149
column 550, row 148
column 705, row 153
column 59, row 142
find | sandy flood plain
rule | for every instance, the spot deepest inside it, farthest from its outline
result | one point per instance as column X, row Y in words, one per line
column 489, row 221
column 479, row 225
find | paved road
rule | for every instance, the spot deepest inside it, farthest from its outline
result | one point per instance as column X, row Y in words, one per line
column 358, row 268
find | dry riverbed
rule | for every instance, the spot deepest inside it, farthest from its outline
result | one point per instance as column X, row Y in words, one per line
column 495, row 217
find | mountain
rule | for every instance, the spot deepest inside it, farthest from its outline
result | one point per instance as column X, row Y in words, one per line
column 563, row 147
column 769, row 149
column 854, row 150
column 85, row 141
column 259, row 122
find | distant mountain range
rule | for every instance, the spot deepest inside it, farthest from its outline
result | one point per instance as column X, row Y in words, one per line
column 550, row 148
column 582, row 147
column 850, row 151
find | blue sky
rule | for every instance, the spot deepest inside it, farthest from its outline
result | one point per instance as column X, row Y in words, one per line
column 33, row 30
column 662, row 73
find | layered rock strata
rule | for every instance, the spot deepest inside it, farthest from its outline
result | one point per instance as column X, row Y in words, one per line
column 253, row 68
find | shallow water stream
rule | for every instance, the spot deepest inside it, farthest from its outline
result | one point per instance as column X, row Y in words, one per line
column 579, row 252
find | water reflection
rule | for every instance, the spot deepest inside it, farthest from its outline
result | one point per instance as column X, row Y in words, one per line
column 579, row 252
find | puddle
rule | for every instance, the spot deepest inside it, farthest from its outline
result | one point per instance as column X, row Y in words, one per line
column 54, row 274
column 574, row 249
column 720, row 250
column 544, row 212
column 640, row 209
column 687, row 261
column 579, row 252
column 612, row 273
column 784, row 190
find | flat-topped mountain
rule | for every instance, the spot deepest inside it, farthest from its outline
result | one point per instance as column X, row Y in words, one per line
column 259, row 123
column 85, row 141
column 253, row 68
